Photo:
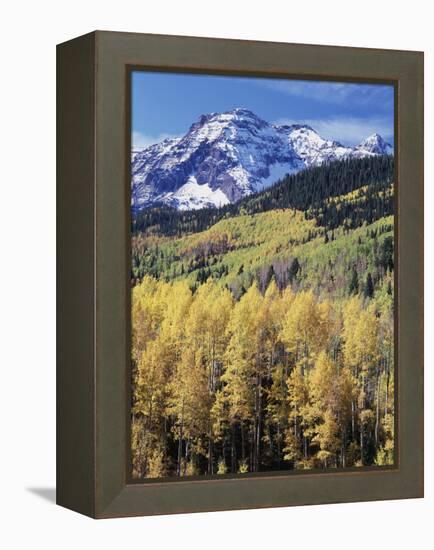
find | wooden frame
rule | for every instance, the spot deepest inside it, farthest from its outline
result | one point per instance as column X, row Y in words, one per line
column 94, row 264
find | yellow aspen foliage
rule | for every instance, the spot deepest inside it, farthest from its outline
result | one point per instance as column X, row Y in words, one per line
column 304, row 330
column 278, row 380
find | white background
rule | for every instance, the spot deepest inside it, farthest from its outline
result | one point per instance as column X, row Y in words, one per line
column 29, row 32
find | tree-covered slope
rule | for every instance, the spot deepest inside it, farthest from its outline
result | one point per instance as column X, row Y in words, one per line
column 308, row 191
column 279, row 244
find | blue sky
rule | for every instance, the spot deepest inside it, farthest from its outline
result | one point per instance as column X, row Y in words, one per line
column 166, row 104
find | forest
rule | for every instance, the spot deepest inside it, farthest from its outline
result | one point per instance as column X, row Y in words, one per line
column 263, row 339
column 307, row 191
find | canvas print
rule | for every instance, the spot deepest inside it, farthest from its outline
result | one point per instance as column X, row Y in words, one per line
column 262, row 275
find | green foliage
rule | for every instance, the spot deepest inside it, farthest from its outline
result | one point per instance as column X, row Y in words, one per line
column 279, row 245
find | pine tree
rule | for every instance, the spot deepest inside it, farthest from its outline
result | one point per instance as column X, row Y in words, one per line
column 354, row 283
column 293, row 270
column 369, row 286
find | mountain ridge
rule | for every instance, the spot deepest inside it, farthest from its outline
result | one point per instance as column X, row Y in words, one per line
column 227, row 156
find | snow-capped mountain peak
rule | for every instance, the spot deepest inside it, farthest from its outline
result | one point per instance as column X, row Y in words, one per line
column 311, row 147
column 226, row 156
column 376, row 144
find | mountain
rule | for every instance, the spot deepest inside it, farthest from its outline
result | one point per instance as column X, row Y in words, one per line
column 376, row 145
column 227, row 156
column 222, row 158
column 311, row 147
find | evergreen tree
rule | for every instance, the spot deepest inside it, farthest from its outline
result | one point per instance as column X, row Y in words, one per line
column 369, row 286
column 293, row 270
column 354, row 283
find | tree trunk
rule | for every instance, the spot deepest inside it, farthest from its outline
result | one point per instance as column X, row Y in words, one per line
column 243, row 442
column 251, row 447
column 377, row 412
column 278, row 445
column 210, row 454
column 179, row 456
column 343, row 441
column 386, row 404
column 233, row 450
column 187, row 448
column 180, row 439
column 361, row 421
column 353, row 422
column 259, row 425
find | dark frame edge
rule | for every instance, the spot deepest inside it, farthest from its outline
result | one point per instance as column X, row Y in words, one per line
column 117, row 52
column 75, row 384
column 121, row 34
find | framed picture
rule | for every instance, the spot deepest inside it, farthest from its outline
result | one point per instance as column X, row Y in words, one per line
column 240, row 274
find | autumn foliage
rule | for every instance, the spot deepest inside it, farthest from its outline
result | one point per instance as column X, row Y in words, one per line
column 273, row 380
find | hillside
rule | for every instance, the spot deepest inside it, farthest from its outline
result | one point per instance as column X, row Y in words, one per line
column 240, row 250
column 346, row 228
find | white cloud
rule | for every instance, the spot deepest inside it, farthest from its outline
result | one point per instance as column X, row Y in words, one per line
column 140, row 140
column 349, row 131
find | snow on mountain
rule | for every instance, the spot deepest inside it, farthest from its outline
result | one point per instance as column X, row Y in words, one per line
column 226, row 156
column 375, row 145
column 311, row 147
column 192, row 196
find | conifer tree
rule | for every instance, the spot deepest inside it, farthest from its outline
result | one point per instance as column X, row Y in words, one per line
column 369, row 286
column 354, row 283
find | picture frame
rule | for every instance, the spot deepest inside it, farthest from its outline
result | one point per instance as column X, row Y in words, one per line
column 93, row 278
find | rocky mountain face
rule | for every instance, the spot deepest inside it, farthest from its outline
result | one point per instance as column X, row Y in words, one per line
column 227, row 156
column 375, row 145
